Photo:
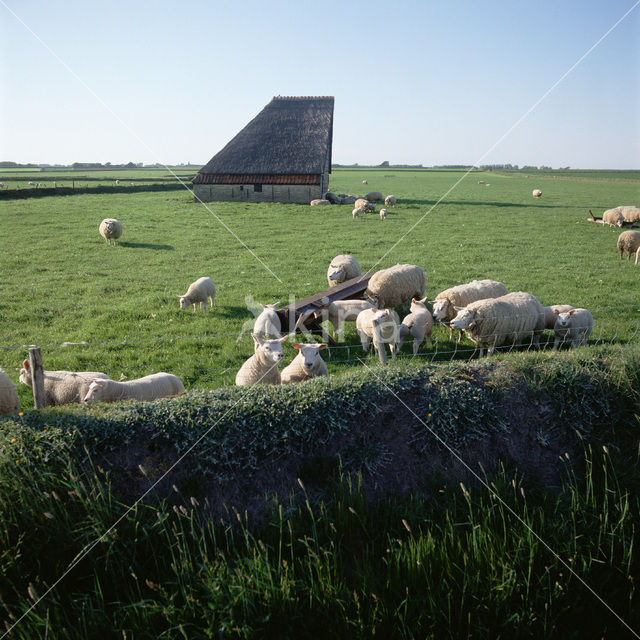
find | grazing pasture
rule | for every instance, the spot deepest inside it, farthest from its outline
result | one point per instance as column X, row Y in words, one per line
column 61, row 283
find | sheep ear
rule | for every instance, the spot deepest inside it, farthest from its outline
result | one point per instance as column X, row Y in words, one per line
column 423, row 300
column 457, row 308
column 257, row 339
column 432, row 301
column 25, row 364
column 296, row 346
column 286, row 337
column 321, row 346
column 556, row 311
column 571, row 312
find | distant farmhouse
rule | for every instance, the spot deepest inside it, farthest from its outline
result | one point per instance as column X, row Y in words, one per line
column 282, row 155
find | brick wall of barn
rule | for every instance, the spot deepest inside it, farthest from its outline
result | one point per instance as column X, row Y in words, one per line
column 302, row 194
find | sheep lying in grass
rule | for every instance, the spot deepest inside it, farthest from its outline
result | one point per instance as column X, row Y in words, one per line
column 390, row 201
column 262, row 366
column 574, row 326
column 630, row 213
column 342, row 268
column 9, row 402
column 418, row 324
column 537, row 193
column 319, row 202
column 460, row 296
column 110, row 229
column 267, row 325
column 390, row 287
column 347, row 198
column 550, row 314
column 152, row 387
column 200, row 291
column 515, row 318
column 63, row 387
column 381, row 326
column 306, row 365
column 628, row 242
column 332, row 198
column 374, row 196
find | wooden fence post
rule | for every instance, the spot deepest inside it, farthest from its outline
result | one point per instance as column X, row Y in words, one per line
column 37, row 377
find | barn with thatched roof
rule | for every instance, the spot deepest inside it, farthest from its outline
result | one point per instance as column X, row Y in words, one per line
column 282, row 155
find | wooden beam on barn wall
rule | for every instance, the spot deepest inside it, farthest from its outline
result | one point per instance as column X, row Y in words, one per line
column 37, row 377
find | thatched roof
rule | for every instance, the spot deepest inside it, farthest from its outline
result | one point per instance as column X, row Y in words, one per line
column 291, row 135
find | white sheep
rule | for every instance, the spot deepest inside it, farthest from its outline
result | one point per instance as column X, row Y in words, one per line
column 460, row 296
column 355, row 214
column 637, row 255
column 63, row 387
column 574, row 326
column 630, row 213
column 515, row 318
column 110, row 229
column 342, row 268
column 383, row 214
column 381, row 326
column 306, row 365
column 628, row 242
column 390, row 287
column 390, row 201
column 550, row 314
column 267, row 324
column 151, row 387
column 342, row 311
column 537, row 193
column 418, row 324
column 9, row 402
column 319, row 202
column 613, row 217
column 374, row 196
column 262, row 366
column 364, row 182
column 480, row 181
column 200, row 291
column 117, row 181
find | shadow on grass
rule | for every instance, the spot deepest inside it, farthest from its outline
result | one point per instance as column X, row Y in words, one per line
column 485, row 203
column 146, row 245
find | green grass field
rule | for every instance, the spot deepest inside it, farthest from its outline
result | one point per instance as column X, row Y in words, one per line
column 62, row 283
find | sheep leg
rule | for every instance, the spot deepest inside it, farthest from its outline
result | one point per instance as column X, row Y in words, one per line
column 416, row 345
column 365, row 340
column 382, row 354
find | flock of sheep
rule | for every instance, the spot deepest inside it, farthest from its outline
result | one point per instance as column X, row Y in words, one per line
column 361, row 204
column 484, row 310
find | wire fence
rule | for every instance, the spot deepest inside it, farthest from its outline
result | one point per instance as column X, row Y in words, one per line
column 338, row 356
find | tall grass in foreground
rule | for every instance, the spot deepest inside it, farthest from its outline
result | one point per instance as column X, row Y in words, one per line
column 457, row 565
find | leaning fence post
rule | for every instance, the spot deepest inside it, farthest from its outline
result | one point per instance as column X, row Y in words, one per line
column 37, row 377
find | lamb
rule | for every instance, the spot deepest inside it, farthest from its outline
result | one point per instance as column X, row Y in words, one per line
column 342, row 268
column 381, row 326
column 110, row 229
column 383, row 214
column 575, row 325
column 63, row 387
column 462, row 295
column 364, row 182
column 151, row 387
column 374, row 196
column 550, row 314
column 262, row 366
column 200, row 291
column 613, row 217
column 267, row 324
column 9, row 402
column 342, row 311
column 306, row 365
column 390, row 287
column 628, row 242
column 355, row 214
column 418, row 323
column 537, row 193
column 390, row 201
column 514, row 318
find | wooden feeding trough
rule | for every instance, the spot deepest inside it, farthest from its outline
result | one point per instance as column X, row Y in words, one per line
column 301, row 317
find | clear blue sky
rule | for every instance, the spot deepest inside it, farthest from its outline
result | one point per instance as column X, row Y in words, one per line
column 414, row 81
